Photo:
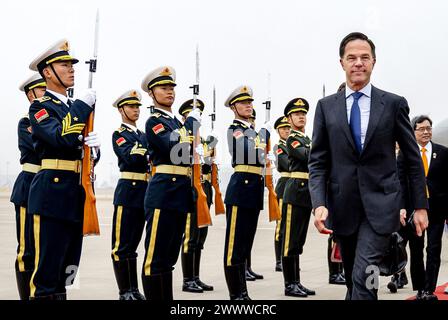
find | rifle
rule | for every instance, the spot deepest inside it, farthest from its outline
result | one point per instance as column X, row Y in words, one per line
column 90, row 225
column 202, row 210
column 219, row 204
column 274, row 211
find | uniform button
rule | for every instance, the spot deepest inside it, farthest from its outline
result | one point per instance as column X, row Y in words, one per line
column 134, row 183
column 139, row 145
column 246, row 182
column 302, row 184
column 174, row 179
column 56, row 179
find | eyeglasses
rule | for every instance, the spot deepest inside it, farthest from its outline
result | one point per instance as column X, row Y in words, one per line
column 423, row 129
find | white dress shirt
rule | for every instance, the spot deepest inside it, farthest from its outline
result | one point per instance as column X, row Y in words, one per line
column 428, row 152
column 364, row 107
column 131, row 127
column 61, row 97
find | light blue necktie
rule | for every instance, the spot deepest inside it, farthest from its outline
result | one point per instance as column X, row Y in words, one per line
column 355, row 121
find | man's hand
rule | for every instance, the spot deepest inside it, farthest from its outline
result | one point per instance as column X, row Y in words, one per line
column 320, row 215
column 403, row 217
column 420, row 221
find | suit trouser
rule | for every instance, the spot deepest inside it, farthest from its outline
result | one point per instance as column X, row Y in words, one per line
column 294, row 228
column 417, row 266
column 361, row 254
column 241, row 226
column 25, row 240
column 164, row 230
column 127, row 230
column 433, row 251
column 58, row 245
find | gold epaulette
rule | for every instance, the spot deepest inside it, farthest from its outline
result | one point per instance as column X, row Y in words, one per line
column 237, row 123
column 42, row 99
column 156, row 114
column 121, row 129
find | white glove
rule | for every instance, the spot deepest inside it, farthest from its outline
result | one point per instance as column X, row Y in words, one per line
column 89, row 97
column 271, row 156
column 195, row 113
column 267, row 126
column 92, row 140
column 200, row 149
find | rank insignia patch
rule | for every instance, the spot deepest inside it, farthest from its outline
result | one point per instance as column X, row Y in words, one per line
column 120, row 141
column 279, row 151
column 295, row 144
column 158, row 128
column 238, row 134
column 30, row 130
column 40, row 115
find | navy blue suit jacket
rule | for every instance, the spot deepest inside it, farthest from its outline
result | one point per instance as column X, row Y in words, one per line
column 353, row 185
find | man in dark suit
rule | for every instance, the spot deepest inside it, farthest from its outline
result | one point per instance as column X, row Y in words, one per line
column 435, row 163
column 353, row 170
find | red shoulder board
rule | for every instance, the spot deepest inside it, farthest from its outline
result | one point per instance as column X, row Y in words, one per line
column 158, row 128
column 120, row 141
column 238, row 134
column 295, row 144
column 41, row 115
column 279, row 151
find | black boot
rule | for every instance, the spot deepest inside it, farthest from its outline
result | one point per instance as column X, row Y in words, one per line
column 402, row 279
column 278, row 254
column 23, row 284
column 249, row 269
column 126, row 276
column 299, row 284
column 158, row 287
column 291, row 288
column 189, row 284
column 393, row 284
column 235, row 281
column 197, row 265
column 242, row 274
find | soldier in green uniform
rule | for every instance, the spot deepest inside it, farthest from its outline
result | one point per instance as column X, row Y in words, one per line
column 282, row 163
column 34, row 88
column 296, row 198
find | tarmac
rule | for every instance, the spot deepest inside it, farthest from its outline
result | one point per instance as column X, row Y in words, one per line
column 95, row 279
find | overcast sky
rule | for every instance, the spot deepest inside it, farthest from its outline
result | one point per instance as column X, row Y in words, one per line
column 240, row 42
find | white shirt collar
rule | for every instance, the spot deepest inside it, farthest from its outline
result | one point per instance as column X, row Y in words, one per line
column 428, row 147
column 131, row 126
column 247, row 123
column 59, row 96
column 166, row 112
column 367, row 90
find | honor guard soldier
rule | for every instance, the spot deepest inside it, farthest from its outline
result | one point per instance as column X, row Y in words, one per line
column 194, row 237
column 56, row 197
column 34, row 88
column 282, row 163
column 169, row 197
column 250, row 274
column 245, row 191
column 130, row 146
column 296, row 198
